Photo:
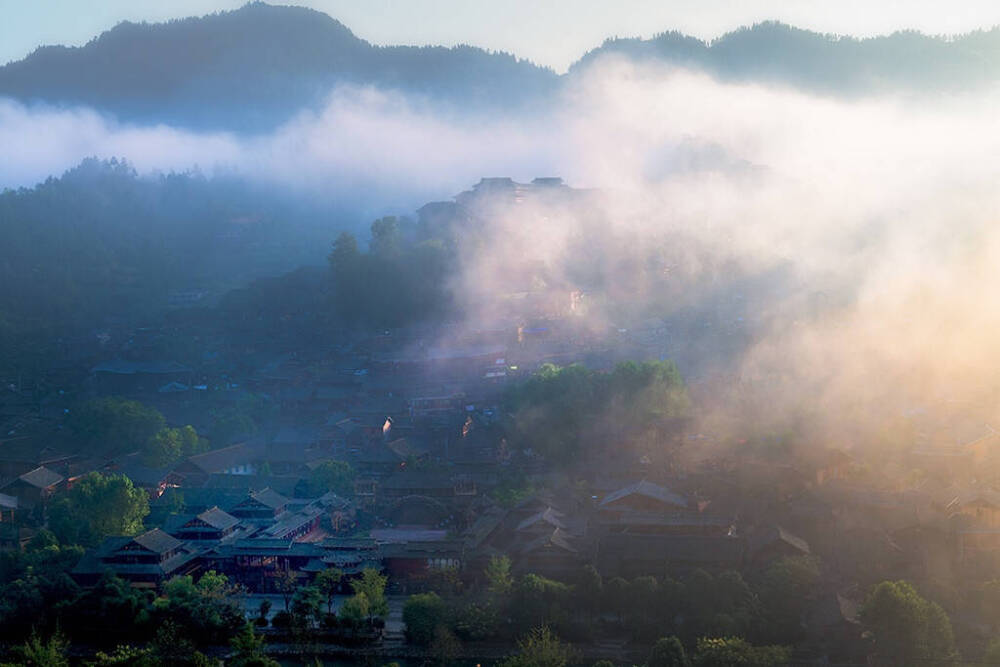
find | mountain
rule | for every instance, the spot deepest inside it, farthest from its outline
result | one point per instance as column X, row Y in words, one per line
column 773, row 52
column 253, row 68
column 101, row 242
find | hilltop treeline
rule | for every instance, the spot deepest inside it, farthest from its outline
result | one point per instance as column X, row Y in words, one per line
column 255, row 68
column 566, row 412
column 102, row 242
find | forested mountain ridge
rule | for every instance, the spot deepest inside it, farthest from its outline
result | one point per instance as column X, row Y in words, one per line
column 777, row 53
column 253, row 68
column 101, row 241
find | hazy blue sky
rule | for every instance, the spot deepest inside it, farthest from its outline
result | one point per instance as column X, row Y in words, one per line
column 550, row 32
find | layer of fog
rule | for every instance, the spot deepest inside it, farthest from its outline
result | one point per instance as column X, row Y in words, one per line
column 885, row 204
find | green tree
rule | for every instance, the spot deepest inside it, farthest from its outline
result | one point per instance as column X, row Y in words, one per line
column 97, row 506
column 355, row 609
column 589, row 591
column 115, row 425
column 346, row 267
column 229, row 424
column 328, row 582
column 386, row 237
column 445, row 646
column 172, row 646
column 112, row 609
column 785, row 588
column 170, row 445
column 643, row 596
column 125, row 656
column 262, row 611
column 51, row 652
column 498, row 578
column 733, row 652
column 344, row 253
column 286, row 582
column 336, row 476
column 538, row 601
column 422, row 614
column 248, row 650
column 668, row 652
column 992, row 656
column 372, row 585
column 616, row 597
column 540, row 648
column 906, row 627
column 307, row 605
column 560, row 411
column 206, row 611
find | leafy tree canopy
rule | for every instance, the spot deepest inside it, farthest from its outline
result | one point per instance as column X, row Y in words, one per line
column 98, row 506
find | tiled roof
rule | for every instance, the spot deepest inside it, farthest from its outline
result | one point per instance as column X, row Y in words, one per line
column 270, row 498
column 41, row 477
column 547, row 516
column 772, row 534
column 556, row 539
column 157, row 541
column 647, row 489
column 218, row 460
column 217, row 518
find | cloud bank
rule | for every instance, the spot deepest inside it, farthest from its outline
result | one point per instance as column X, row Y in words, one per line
column 878, row 215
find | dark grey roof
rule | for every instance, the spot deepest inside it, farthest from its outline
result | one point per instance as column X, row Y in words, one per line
column 245, row 484
column 8, row 502
column 218, row 460
column 548, row 516
column 41, row 477
column 405, row 448
column 647, row 489
column 557, row 539
column 142, row 475
column 419, row 479
column 122, row 367
column 771, row 534
column 696, row 549
column 265, row 547
column 217, row 518
column 195, row 499
column 157, row 541
column 270, row 498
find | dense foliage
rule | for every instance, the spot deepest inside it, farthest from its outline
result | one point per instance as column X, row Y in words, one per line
column 331, row 475
column 254, row 68
column 906, row 627
column 396, row 282
column 98, row 506
column 101, row 242
column 562, row 411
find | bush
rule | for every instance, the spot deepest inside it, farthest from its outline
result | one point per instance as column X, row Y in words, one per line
column 282, row 620
column 422, row 614
column 330, row 621
column 260, row 622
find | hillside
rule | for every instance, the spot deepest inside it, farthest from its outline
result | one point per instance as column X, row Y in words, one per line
column 777, row 53
column 253, row 68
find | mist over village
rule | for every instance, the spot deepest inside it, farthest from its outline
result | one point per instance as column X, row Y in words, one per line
column 321, row 346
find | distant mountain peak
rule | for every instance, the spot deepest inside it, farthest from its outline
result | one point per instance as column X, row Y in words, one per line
column 253, row 68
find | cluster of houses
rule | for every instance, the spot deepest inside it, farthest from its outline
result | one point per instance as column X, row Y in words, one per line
column 414, row 412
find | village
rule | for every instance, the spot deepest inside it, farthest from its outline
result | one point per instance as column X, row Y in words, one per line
column 436, row 490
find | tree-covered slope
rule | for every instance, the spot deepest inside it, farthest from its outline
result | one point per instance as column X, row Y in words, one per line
column 253, row 68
